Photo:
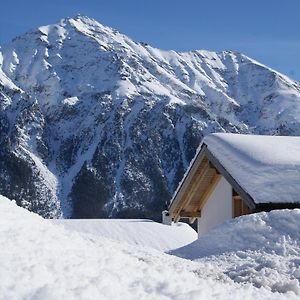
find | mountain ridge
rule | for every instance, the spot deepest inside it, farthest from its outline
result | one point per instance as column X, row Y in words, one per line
column 106, row 127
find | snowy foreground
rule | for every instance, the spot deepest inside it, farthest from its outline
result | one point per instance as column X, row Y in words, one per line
column 44, row 260
column 144, row 233
column 263, row 249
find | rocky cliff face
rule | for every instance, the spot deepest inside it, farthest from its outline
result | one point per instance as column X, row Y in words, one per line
column 94, row 124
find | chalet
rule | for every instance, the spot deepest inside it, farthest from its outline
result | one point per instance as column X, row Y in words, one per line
column 233, row 174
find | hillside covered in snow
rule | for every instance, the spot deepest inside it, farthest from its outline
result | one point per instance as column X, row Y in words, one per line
column 44, row 260
column 96, row 125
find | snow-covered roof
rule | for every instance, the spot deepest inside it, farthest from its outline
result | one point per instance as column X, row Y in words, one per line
column 265, row 167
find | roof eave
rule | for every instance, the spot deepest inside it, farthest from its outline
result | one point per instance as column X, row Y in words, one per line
column 246, row 197
column 268, row 206
column 205, row 152
column 189, row 174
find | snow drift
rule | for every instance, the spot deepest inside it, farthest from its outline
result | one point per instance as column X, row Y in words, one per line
column 135, row 232
column 41, row 260
column 261, row 248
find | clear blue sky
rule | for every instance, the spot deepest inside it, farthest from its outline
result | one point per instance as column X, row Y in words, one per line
column 266, row 30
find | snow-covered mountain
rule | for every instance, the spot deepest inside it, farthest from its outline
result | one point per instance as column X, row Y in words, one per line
column 94, row 124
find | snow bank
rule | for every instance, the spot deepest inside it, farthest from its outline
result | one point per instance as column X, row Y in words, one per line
column 267, row 167
column 261, row 248
column 40, row 260
column 135, row 232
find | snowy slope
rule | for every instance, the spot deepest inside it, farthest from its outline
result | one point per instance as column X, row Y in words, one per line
column 23, row 175
column 42, row 260
column 144, row 233
column 261, row 248
column 110, row 125
column 268, row 168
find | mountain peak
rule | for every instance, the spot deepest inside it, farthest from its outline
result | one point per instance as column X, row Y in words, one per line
column 80, row 22
column 82, row 19
column 86, row 19
column 111, row 124
column 84, row 23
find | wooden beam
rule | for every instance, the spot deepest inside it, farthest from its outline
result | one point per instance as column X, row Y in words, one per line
column 215, row 180
column 175, row 202
column 239, row 207
column 192, row 220
column 196, row 182
column 190, row 214
column 188, row 187
column 211, row 165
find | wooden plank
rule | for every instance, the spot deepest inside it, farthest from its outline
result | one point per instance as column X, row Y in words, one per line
column 216, row 178
column 206, row 180
column 245, row 208
column 199, row 181
column 203, row 199
column 190, row 214
column 192, row 220
column 186, row 182
column 239, row 207
column 187, row 194
column 196, row 183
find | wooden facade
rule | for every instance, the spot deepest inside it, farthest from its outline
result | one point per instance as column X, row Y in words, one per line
column 208, row 180
column 197, row 187
column 197, row 191
column 239, row 207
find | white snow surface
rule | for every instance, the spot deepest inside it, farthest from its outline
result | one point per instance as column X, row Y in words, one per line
column 42, row 260
column 70, row 101
column 266, row 167
column 261, row 248
column 145, row 233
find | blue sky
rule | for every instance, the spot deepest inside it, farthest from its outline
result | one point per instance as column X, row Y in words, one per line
column 266, row 30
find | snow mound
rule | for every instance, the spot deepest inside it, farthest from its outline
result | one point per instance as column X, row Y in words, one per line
column 267, row 167
column 41, row 260
column 261, row 248
column 135, row 232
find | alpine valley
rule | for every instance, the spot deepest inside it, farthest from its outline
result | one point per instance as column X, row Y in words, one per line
column 95, row 125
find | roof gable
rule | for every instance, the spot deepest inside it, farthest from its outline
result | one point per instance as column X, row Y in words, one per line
column 195, row 189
